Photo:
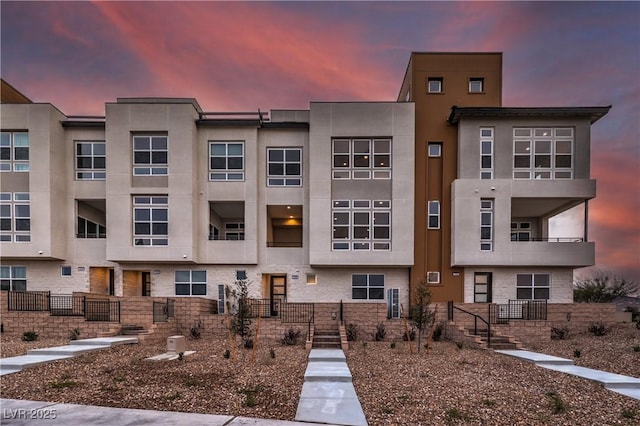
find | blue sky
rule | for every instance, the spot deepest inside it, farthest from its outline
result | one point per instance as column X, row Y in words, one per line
column 245, row 56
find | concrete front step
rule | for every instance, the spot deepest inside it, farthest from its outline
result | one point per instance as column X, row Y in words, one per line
column 72, row 350
column 106, row 341
column 323, row 371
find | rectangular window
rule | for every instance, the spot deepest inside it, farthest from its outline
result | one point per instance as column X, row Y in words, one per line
column 433, row 277
column 226, row 161
column 367, row 286
column 435, row 149
column 433, row 208
column 361, row 158
column 191, row 283
column 361, row 225
column 90, row 229
column 13, row 278
column 241, row 275
column 533, row 286
column 486, row 153
column 151, row 220
column 486, row 224
column 312, row 279
column 434, row 85
column 482, row 287
column 284, row 167
column 476, row 85
column 543, row 153
column 150, row 155
column 221, row 298
column 91, row 163
column 234, row 231
column 15, row 217
column 520, row 231
column 14, row 151
column 65, row 271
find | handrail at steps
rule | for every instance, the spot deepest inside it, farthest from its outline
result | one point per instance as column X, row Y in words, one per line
column 450, row 309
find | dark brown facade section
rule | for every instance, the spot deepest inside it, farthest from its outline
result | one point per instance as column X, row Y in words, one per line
column 435, row 82
column 10, row 95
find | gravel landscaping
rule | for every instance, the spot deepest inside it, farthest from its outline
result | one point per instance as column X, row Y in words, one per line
column 449, row 385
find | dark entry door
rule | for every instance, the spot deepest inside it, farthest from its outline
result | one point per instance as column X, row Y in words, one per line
column 146, row 283
column 482, row 287
column 277, row 293
column 112, row 283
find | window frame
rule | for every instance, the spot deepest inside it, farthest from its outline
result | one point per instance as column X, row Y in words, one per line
column 368, row 287
column 155, row 204
column 65, row 271
column 431, row 215
column 543, row 163
column 437, row 145
column 438, row 85
column 227, row 174
column 293, row 180
column 487, row 172
column 9, row 280
column 487, row 210
column 101, row 229
column 150, row 168
column 350, row 164
column 521, row 288
column 476, row 80
column 93, row 172
column 19, row 229
column 190, row 283
column 345, row 217
column 12, row 163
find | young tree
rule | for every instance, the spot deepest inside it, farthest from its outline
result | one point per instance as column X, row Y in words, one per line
column 421, row 315
column 239, row 310
column 602, row 287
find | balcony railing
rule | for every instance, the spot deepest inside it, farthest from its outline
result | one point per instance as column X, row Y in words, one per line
column 548, row 239
column 91, row 235
column 284, row 244
column 226, row 237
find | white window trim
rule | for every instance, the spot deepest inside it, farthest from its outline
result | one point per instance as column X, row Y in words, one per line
column 351, row 210
column 93, row 173
column 433, row 277
column 159, row 239
column 473, row 80
column 62, row 269
column 490, row 140
column 368, row 287
column 430, row 215
column 372, row 171
column 284, row 177
column 13, row 165
column 13, row 200
column 227, row 172
column 531, row 136
column 439, row 88
column 437, row 145
column 190, row 283
column 12, row 278
column 487, row 210
column 533, row 285
column 162, row 169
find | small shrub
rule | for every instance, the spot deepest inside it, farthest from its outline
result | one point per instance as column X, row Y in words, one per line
column 227, row 354
column 392, row 345
column 250, row 395
column 635, row 313
column 290, row 337
column 352, row 332
column 459, row 345
column 64, row 382
column 598, row 329
column 453, row 415
column 272, row 353
column 559, row 333
column 629, row 413
column 74, row 334
column 119, row 379
column 557, row 404
column 636, row 348
column 438, row 331
column 30, row 336
column 181, row 356
column 380, row 333
column 387, row 410
column 412, row 335
column 426, row 346
column 196, row 330
column 489, row 403
column 248, row 343
column 364, row 345
column 172, row 396
column 577, row 353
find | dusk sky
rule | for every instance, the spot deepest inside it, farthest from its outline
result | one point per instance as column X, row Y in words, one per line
column 245, row 56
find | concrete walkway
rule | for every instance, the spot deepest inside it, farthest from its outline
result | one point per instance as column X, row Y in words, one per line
column 74, row 348
column 328, row 395
column 625, row 385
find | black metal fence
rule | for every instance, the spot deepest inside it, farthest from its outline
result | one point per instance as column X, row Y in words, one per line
column 297, row 312
column 64, row 305
column 162, row 311
column 518, row 310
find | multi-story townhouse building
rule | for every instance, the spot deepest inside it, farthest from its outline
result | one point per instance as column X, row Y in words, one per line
column 158, row 198
column 489, row 179
column 353, row 201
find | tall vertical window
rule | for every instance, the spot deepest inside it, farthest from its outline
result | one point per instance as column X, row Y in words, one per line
column 486, row 224
column 90, row 229
column 433, row 211
column 434, row 85
column 150, row 221
column 226, row 161
column 361, row 225
column 14, row 151
column 91, row 161
column 361, row 158
column 486, row 153
column 284, row 166
column 13, row 278
column 533, row 286
column 15, row 217
column 150, row 155
column 367, row 286
column 476, row 85
column 191, row 283
column 543, row 153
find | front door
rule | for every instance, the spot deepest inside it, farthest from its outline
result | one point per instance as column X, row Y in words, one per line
column 112, row 283
column 277, row 293
column 482, row 287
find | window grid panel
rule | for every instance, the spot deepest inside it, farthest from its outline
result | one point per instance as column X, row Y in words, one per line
column 367, row 286
column 486, row 153
column 486, row 225
column 361, row 158
column 533, row 286
column 361, row 225
column 476, row 85
column 90, row 160
column 433, row 214
column 150, row 155
column 14, row 151
column 543, row 153
column 15, row 217
column 434, row 149
column 150, row 221
column 284, row 167
column 434, row 85
column 13, row 278
column 190, row 283
column 226, row 161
